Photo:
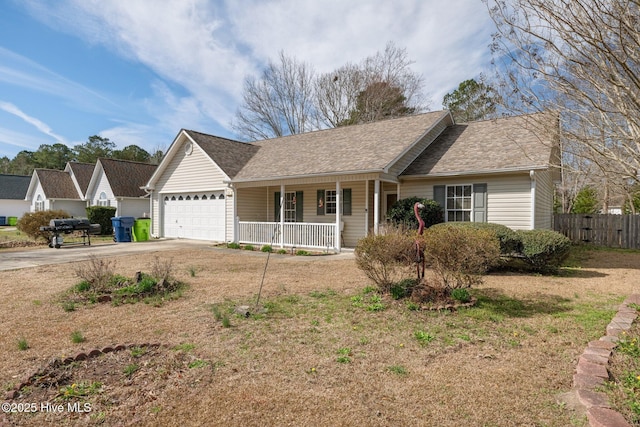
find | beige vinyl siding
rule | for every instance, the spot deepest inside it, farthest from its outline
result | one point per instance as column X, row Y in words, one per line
column 258, row 205
column 544, row 200
column 155, row 215
column 254, row 204
column 419, row 147
column 229, row 214
column 191, row 173
column 508, row 196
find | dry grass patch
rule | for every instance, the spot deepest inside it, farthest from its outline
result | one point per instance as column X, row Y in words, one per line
column 500, row 363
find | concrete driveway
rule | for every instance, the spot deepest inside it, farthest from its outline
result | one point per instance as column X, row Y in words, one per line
column 11, row 260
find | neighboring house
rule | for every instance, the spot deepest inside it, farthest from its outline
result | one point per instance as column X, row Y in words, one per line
column 13, row 190
column 118, row 183
column 80, row 175
column 329, row 188
column 51, row 189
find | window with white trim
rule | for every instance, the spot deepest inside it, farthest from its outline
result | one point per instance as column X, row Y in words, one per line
column 39, row 203
column 458, row 203
column 330, row 200
column 102, row 200
column 290, row 206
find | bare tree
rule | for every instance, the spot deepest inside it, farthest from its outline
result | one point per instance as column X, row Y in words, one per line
column 279, row 103
column 381, row 86
column 337, row 94
column 582, row 59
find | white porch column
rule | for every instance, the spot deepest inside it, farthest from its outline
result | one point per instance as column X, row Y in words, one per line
column 366, row 207
column 281, row 215
column 376, row 206
column 338, row 243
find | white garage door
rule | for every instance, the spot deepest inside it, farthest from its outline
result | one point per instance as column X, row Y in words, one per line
column 195, row 216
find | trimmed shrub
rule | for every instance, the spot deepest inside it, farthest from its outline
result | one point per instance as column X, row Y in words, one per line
column 544, row 250
column 102, row 215
column 386, row 258
column 459, row 255
column 30, row 223
column 509, row 240
column 402, row 215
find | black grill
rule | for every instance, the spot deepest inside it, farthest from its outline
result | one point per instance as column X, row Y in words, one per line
column 57, row 227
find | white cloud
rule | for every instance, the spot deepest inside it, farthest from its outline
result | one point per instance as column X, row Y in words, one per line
column 208, row 47
column 38, row 124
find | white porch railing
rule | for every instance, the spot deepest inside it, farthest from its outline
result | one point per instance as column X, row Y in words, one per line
column 298, row 234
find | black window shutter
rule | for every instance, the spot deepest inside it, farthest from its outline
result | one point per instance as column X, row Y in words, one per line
column 276, row 206
column 299, row 206
column 346, row 203
column 439, row 195
column 479, row 202
column 320, row 202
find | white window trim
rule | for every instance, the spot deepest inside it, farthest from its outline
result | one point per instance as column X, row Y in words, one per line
column 103, row 201
column 341, row 200
column 446, row 200
column 290, row 212
column 39, row 204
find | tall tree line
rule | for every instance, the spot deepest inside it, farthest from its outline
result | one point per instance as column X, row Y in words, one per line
column 56, row 156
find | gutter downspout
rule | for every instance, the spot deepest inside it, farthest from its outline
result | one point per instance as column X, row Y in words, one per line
column 532, row 175
column 149, row 191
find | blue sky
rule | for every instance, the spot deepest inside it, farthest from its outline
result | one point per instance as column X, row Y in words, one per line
column 137, row 71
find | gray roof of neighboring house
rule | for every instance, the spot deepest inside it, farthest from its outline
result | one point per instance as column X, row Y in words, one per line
column 230, row 155
column 367, row 147
column 511, row 143
column 126, row 177
column 57, row 184
column 82, row 172
column 14, row 186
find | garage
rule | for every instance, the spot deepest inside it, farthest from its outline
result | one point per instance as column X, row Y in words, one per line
column 195, row 216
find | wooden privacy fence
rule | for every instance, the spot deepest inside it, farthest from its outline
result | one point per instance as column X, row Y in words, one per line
column 614, row 231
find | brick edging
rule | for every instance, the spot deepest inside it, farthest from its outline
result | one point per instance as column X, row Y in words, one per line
column 55, row 362
column 591, row 370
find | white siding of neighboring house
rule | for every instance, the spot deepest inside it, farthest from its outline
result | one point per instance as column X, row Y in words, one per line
column 191, row 173
column 38, row 192
column 544, row 200
column 13, row 207
column 508, row 196
column 103, row 185
column 136, row 208
column 75, row 208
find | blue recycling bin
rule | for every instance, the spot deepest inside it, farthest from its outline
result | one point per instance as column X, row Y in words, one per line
column 122, row 228
column 3, row 220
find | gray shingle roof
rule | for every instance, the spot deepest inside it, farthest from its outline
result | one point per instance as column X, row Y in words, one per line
column 230, row 155
column 82, row 172
column 368, row 147
column 14, row 186
column 126, row 177
column 504, row 144
column 57, row 184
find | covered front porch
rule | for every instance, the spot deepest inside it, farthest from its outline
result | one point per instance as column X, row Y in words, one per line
column 327, row 215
